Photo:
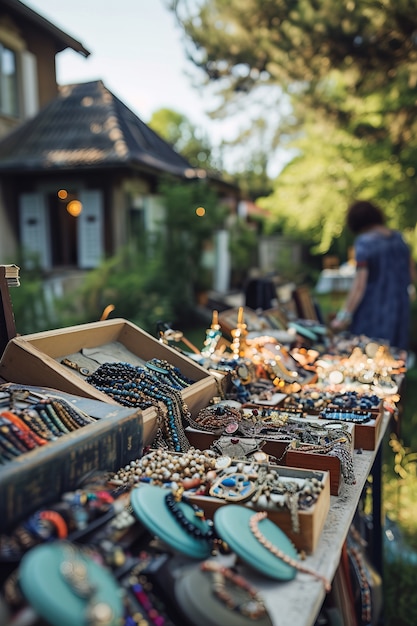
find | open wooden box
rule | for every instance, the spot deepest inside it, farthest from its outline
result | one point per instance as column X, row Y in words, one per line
column 366, row 435
column 284, row 454
column 36, row 360
column 311, row 521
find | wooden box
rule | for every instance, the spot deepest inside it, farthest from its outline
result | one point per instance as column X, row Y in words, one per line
column 36, row 360
column 40, row 476
column 311, row 520
column 366, row 436
column 312, row 461
column 284, row 455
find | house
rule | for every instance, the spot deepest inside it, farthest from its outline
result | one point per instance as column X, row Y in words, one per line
column 79, row 170
column 28, row 46
column 82, row 176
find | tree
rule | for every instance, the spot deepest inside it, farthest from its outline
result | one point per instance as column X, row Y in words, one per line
column 184, row 137
column 349, row 71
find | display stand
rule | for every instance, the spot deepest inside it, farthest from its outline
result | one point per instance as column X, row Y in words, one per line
column 7, row 322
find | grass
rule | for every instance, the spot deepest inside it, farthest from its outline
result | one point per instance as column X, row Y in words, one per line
column 399, row 499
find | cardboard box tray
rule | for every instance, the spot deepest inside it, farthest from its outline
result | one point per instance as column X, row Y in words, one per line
column 36, row 360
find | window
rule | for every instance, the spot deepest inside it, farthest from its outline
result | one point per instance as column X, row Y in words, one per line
column 8, row 82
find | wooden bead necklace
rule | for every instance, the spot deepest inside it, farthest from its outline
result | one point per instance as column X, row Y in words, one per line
column 160, row 467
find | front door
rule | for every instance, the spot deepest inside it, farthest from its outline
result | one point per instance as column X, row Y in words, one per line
column 62, row 232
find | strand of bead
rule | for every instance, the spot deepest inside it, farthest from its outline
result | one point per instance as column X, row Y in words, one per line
column 170, row 372
column 79, row 418
column 45, row 412
column 9, row 441
column 172, row 500
column 160, row 467
column 254, row 528
column 49, row 424
column 37, row 425
column 215, row 418
column 60, row 417
column 15, row 419
column 135, row 386
column 254, row 607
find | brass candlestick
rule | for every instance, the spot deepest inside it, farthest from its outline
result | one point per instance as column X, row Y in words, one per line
column 239, row 334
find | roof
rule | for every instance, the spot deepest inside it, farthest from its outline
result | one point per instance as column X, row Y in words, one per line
column 87, row 127
column 62, row 39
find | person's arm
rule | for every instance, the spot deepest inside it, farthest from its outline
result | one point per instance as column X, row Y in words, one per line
column 356, row 292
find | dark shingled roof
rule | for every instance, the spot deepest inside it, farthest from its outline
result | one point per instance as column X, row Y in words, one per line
column 87, row 127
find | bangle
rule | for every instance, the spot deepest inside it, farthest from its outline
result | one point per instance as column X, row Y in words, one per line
column 344, row 316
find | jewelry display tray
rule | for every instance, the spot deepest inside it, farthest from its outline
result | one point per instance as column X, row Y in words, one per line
column 36, row 360
column 311, row 520
column 366, row 436
column 284, row 455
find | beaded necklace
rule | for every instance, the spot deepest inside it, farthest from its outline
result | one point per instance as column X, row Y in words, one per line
column 347, row 415
column 254, row 528
column 204, row 530
column 254, row 607
column 135, row 386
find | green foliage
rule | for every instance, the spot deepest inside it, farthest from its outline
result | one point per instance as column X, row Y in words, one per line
column 400, row 599
column 243, row 246
column 190, row 141
column 400, row 487
column 188, row 237
column 348, row 72
column 33, row 304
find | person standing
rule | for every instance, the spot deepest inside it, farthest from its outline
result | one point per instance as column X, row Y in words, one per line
column 378, row 303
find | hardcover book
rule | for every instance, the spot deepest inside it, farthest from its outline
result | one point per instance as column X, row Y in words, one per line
column 40, row 476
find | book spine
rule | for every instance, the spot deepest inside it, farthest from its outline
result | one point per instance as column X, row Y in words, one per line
column 39, row 477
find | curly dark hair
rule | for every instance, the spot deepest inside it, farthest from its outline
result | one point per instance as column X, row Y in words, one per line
column 362, row 215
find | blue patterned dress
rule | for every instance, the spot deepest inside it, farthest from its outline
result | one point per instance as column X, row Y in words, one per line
column 384, row 312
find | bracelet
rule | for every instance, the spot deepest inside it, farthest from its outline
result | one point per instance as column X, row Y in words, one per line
column 254, row 528
column 204, row 532
column 343, row 316
column 253, row 607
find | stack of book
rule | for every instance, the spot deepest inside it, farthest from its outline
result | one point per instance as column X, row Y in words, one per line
column 11, row 273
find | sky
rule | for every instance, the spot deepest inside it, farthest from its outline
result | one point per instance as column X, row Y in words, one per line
column 136, row 49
